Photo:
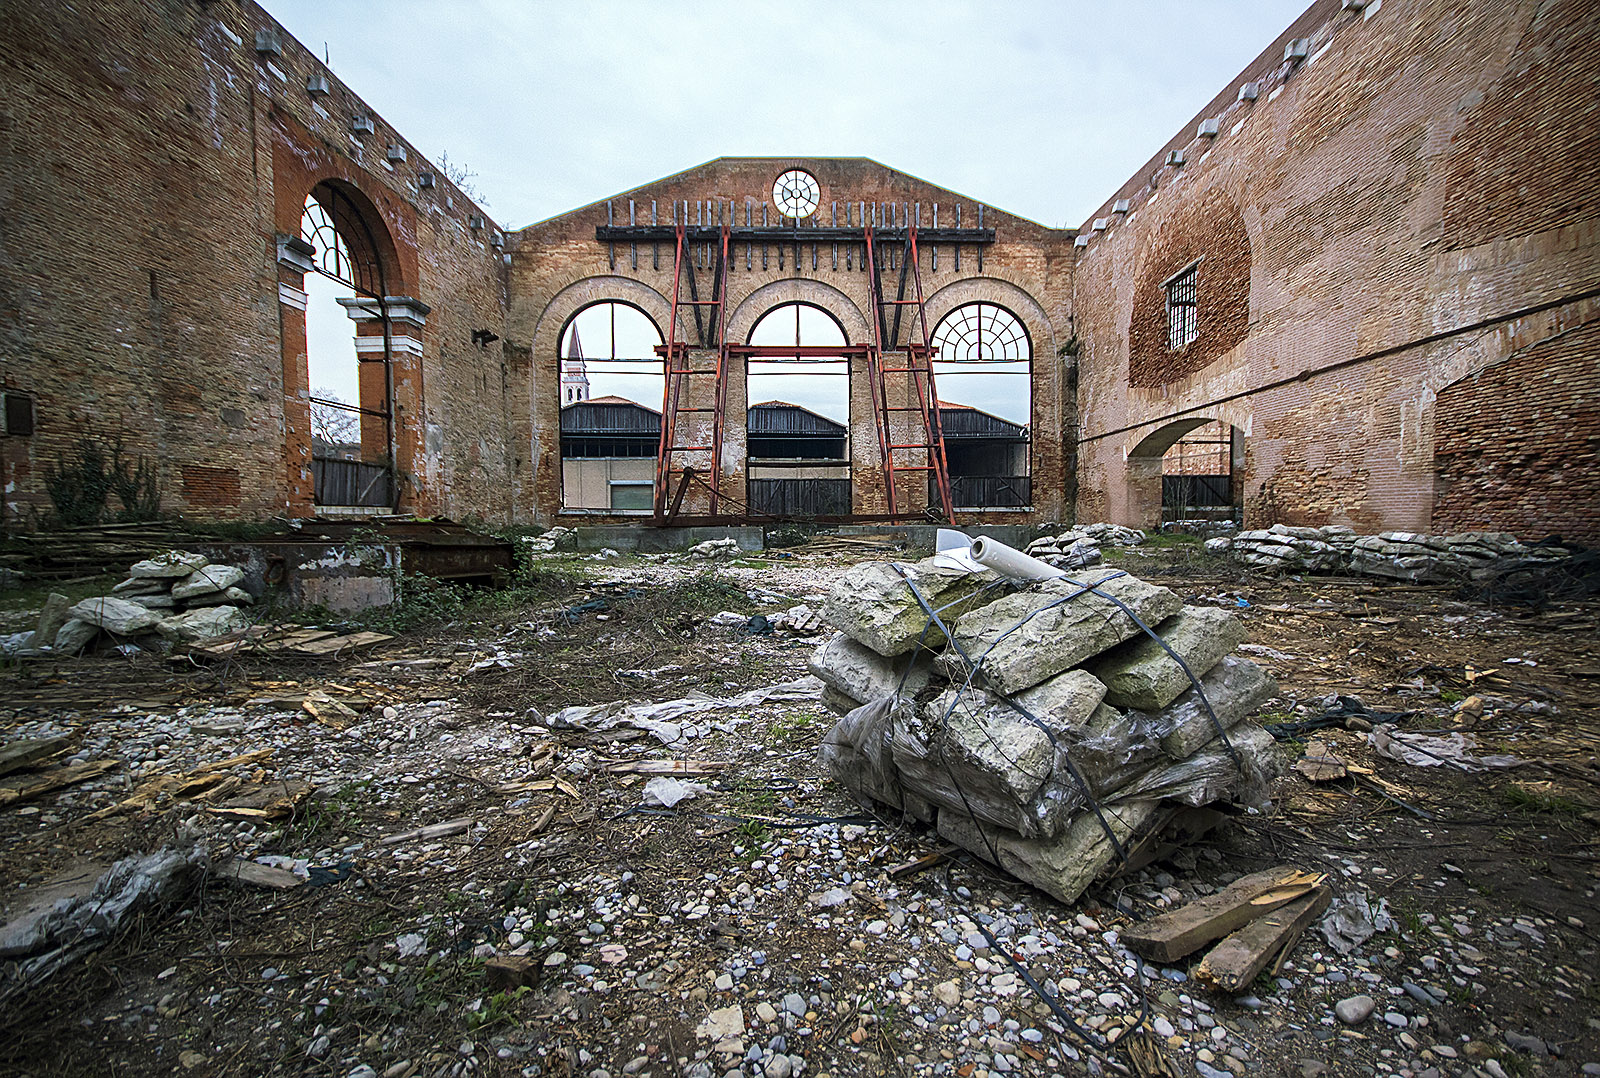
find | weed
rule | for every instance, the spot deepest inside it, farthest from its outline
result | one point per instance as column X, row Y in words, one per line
column 326, row 816
column 786, row 729
column 1450, row 696
column 1525, row 799
column 496, row 1009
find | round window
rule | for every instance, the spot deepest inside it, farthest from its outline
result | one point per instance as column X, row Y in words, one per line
column 796, row 193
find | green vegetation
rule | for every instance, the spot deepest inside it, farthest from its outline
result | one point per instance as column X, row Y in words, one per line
column 1525, row 799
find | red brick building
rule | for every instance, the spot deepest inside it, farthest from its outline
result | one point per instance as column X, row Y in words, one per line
column 1372, row 259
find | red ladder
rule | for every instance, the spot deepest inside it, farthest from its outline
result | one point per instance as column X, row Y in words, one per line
column 679, row 370
column 900, row 457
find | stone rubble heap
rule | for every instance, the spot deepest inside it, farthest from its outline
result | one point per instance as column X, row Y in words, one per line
column 925, row 733
column 1079, row 547
column 176, row 597
column 1396, row 555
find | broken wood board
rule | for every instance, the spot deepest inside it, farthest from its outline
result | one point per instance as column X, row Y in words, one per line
column 542, row 786
column 314, row 642
column 1171, row 935
column 1235, row 962
column 336, row 644
column 61, row 777
column 1319, row 764
column 433, row 830
column 667, row 767
column 278, row 879
column 30, row 752
column 330, row 712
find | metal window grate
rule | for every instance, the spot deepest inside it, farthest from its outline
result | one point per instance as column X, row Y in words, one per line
column 1182, row 325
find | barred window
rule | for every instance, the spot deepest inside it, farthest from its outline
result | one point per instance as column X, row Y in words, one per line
column 1182, row 326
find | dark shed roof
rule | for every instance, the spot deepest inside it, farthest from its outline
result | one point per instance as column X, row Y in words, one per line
column 965, row 421
column 611, row 416
column 780, row 417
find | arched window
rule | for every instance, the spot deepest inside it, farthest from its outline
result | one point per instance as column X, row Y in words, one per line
column 798, row 424
column 611, row 388
column 349, row 409
column 980, row 332
column 982, row 364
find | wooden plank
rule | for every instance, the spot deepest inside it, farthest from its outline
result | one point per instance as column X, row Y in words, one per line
column 336, row 644
column 278, row 879
column 1178, row 932
column 667, row 767
column 433, row 830
column 1234, row 963
column 1319, row 764
column 29, row 752
column 58, row 779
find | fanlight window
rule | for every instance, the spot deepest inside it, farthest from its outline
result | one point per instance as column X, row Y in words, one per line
column 980, row 331
column 333, row 255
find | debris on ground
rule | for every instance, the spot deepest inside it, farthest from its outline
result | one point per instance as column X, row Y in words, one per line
column 714, row 549
column 45, row 939
column 175, row 597
column 541, row 919
column 1404, row 556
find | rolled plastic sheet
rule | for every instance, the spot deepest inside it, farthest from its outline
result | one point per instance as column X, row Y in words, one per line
column 953, row 550
column 1008, row 562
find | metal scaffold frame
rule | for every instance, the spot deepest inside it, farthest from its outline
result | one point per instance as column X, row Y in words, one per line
column 892, row 228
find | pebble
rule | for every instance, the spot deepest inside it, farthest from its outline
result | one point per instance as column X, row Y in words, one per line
column 1354, row 1010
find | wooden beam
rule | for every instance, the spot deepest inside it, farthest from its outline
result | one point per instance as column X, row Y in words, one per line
column 1186, row 929
column 1236, row 961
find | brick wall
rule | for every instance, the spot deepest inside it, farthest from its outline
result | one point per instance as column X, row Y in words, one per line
column 1518, row 442
column 558, row 268
column 1419, row 202
column 149, row 158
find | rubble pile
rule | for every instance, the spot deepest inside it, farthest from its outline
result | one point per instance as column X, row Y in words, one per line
column 175, row 597
column 1047, row 732
column 1079, row 547
column 1397, row 555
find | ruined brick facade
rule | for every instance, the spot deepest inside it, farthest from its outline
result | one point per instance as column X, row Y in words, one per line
column 153, row 158
column 558, row 268
column 1418, row 197
column 1394, row 234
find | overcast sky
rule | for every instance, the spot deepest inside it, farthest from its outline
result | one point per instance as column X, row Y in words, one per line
column 1042, row 109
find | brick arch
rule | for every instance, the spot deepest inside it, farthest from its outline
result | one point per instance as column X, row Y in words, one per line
column 366, row 234
column 1210, row 230
column 585, row 292
column 799, row 290
column 1001, row 293
column 1143, row 467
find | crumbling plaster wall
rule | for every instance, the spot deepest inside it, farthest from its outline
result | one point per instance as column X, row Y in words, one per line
column 558, row 267
column 151, row 158
column 1419, row 199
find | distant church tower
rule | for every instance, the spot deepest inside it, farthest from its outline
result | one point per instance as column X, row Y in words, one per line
column 574, row 373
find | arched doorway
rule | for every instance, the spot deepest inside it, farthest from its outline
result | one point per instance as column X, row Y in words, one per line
column 1189, row 470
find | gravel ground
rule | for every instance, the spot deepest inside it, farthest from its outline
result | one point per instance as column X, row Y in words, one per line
column 767, row 926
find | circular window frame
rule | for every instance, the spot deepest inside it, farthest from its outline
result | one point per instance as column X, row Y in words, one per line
column 796, row 193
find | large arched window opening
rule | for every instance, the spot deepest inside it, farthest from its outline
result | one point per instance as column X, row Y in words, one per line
column 798, row 422
column 349, row 377
column 611, row 385
column 983, row 365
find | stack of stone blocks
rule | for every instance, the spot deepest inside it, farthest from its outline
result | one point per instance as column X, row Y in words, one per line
column 1404, row 556
column 934, row 726
column 175, row 597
